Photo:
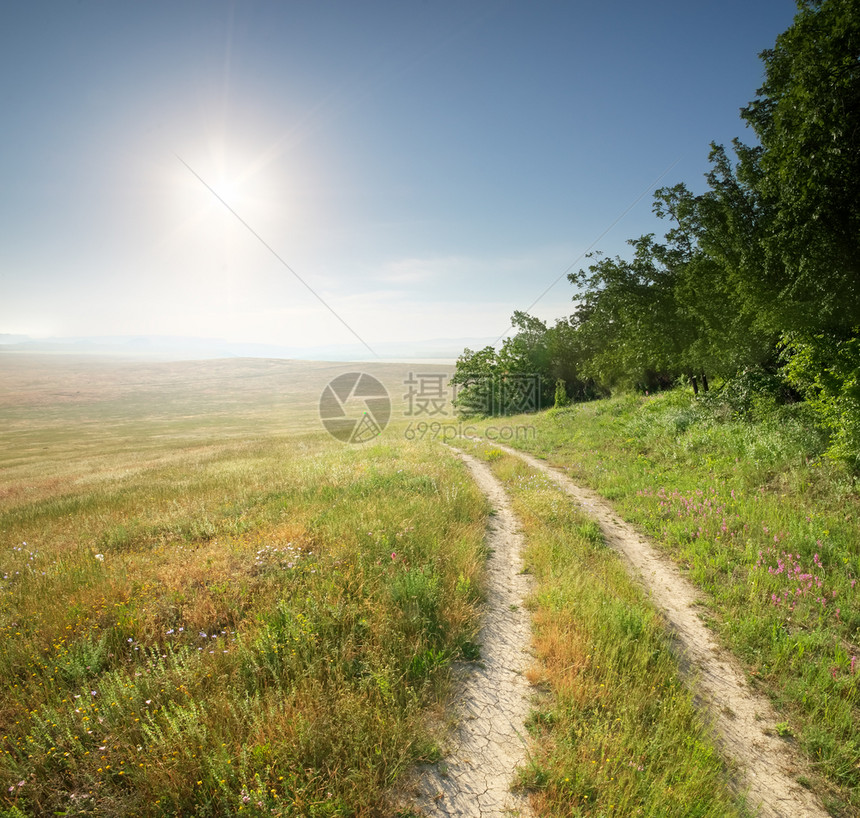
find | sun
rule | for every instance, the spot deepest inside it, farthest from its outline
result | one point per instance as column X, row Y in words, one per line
column 232, row 175
column 214, row 183
column 227, row 187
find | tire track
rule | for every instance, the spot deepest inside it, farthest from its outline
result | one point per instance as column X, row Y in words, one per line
column 491, row 698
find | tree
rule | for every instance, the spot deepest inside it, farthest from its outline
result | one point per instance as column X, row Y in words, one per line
column 523, row 375
column 766, row 259
column 716, row 251
column 806, row 171
column 561, row 399
column 475, row 382
column 826, row 371
column 510, row 381
column 568, row 356
column 630, row 319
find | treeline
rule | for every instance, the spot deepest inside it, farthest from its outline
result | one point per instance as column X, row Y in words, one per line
column 757, row 277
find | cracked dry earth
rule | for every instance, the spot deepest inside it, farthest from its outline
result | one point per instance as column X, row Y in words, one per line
column 767, row 766
column 491, row 698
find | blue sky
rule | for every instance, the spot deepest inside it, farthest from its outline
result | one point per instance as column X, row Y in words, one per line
column 425, row 166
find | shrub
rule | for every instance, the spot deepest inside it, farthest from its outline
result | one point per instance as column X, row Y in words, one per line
column 561, row 398
column 826, row 371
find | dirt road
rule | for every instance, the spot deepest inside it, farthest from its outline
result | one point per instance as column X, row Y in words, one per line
column 767, row 765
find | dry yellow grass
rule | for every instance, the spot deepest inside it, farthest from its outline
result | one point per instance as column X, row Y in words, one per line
column 207, row 608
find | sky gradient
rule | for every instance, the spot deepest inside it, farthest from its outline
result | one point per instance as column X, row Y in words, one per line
column 425, row 167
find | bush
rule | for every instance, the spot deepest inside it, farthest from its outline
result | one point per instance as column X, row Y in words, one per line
column 753, row 394
column 826, row 371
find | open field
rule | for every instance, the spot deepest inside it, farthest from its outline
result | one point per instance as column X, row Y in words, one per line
column 74, row 418
column 207, row 608
column 48, row 393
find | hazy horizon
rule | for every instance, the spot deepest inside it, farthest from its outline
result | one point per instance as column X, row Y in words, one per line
column 176, row 348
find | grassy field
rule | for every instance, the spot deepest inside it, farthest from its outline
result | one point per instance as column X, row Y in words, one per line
column 763, row 525
column 206, row 608
column 209, row 606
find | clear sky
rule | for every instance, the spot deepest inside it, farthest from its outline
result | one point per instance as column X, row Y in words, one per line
column 425, row 166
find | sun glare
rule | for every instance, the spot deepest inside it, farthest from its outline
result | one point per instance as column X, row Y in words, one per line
column 228, row 188
column 248, row 182
column 233, row 178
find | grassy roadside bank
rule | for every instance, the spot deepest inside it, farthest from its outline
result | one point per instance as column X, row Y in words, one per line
column 764, row 527
column 253, row 626
column 616, row 732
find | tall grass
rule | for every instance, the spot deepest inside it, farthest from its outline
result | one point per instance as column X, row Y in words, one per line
column 764, row 525
column 253, row 626
column 616, row 733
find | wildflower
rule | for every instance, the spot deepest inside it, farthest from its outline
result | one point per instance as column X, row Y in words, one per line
column 100, row 557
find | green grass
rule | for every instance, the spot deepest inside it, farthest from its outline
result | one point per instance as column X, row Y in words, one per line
column 207, row 606
column 761, row 523
column 209, row 616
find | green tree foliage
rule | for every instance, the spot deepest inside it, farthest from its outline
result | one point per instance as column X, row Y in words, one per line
column 806, row 172
column 826, row 371
column 627, row 317
column 476, row 381
column 510, row 381
column 521, row 376
column 677, row 307
column 568, row 357
column 712, row 246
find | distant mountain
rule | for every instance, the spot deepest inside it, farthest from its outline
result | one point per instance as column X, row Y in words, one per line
column 163, row 347
column 6, row 338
